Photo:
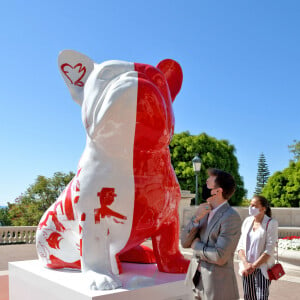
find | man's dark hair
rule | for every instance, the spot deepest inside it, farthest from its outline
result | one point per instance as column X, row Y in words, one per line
column 225, row 181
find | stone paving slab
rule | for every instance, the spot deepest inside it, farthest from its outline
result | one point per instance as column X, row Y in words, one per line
column 16, row 253
column 4, row 287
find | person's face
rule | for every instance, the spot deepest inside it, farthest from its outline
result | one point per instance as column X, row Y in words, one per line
column 216, row 192
column 256, row 203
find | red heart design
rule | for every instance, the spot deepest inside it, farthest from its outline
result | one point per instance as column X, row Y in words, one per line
column 81, row 69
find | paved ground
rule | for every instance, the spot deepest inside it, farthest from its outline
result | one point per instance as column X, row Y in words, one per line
column 286, row 288
column 16, row 253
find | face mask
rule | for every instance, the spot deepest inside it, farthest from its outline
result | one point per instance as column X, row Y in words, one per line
column 205, row 192
column 253, row 211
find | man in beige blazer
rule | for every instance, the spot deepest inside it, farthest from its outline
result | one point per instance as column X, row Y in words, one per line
column 213, row 233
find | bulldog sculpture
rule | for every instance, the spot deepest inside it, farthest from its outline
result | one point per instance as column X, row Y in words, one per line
column 125, row 190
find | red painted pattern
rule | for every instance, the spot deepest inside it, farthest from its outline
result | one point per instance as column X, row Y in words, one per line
column 80, row 247
column 152, row 133
column 76, row 199
column 117, row 221
column 106, row 197
column 59, row 203
column 78, row 172
column 157, row 193
column 68, row 202
column 57, row 263
column 54, row 240
column 58, row 225
column 139, row 254
column 82, row 219
column 66, row 206
column 77, row 186
column 81, row 72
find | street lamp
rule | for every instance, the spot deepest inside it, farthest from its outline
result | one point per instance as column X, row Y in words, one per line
column 196, row 166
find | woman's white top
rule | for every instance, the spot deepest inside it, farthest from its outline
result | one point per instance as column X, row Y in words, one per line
column 252, row 245
column 264, row 242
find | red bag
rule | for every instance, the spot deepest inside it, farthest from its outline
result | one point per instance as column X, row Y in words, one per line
column 276, row 272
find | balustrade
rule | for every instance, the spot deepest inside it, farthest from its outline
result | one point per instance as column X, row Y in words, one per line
column 288, row 219
column 17, row 234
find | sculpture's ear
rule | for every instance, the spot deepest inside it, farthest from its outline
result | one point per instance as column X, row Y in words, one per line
column 75, row 69
column 173, row 74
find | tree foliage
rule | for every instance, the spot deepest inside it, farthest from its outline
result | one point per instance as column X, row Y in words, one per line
column 4, row 217
column 283, row 188
column 262, row 174
column 30, row 206
column 214, row 154
column 295, row 149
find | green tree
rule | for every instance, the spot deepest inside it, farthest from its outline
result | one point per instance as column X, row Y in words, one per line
column 4, row 217
column 262, row 174
column 30, row 206
column 214, row 154
column 295, row 149
column 283, row 187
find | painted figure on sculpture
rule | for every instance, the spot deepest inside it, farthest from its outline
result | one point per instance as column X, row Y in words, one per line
column 125, row 190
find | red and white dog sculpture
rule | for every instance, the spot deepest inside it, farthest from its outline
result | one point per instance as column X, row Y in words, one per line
column 125, row 189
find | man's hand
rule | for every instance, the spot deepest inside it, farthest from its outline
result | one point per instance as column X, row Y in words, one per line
column 202, row 211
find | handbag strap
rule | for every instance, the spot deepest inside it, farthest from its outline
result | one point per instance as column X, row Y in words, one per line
column 276, row 241
column 268, row 224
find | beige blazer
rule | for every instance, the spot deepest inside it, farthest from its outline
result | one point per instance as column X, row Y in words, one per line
column 215, row 252
column 267, row 242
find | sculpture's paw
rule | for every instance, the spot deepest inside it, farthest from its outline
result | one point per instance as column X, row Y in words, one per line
column 99, row 281
column 174, row 264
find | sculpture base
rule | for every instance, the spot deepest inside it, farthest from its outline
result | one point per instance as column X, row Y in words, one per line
column 28, row 280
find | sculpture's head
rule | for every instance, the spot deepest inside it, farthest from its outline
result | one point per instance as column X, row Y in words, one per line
column 108, row 90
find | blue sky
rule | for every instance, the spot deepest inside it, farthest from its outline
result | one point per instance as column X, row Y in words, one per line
column 240, row 59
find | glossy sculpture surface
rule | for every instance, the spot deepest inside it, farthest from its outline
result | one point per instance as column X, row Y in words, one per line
column 125, row 189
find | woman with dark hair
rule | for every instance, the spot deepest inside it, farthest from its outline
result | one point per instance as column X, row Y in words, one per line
column 256, row 249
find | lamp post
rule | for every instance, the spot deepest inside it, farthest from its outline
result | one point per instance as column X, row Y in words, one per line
column 196, row 166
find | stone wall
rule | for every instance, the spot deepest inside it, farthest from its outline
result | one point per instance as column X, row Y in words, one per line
column 288, row 218
column 185, row 201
